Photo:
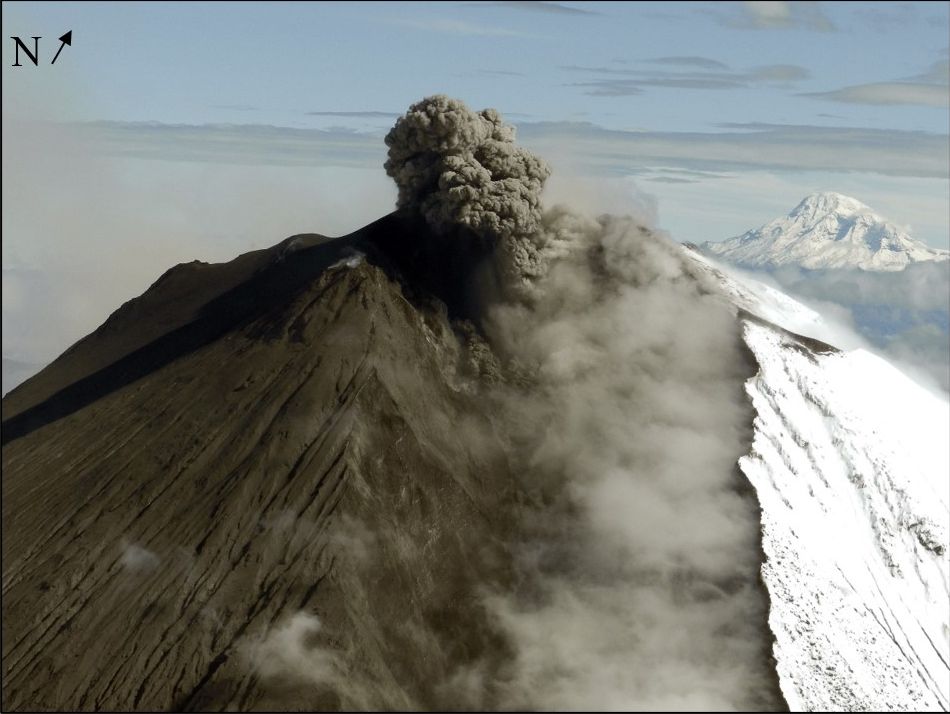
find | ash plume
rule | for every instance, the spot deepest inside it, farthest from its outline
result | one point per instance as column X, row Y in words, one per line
column 459, row 167
column 639, row 576
column 462, row 169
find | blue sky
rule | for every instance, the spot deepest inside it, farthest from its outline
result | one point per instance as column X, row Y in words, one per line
column 677, row 67
column 196, row 130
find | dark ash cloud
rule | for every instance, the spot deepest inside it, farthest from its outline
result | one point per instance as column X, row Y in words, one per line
column 456, row 167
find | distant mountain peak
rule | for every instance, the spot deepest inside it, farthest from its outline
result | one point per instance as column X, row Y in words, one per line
column 827, row 230
column 830, row 202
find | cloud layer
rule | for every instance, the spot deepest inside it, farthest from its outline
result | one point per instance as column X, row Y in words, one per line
column 690, row 73
column 600, row 150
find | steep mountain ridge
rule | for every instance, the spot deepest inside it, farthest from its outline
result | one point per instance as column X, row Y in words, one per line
column 194, row 304
column 826, row 231
column 158, row 540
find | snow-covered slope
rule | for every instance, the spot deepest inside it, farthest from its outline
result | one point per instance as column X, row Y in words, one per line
column 851, row 464
column 826, row 231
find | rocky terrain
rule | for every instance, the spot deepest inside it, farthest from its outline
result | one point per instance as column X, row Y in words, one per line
column 192, row 486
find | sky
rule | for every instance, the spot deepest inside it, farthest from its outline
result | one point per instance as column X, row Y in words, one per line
column 169, row 132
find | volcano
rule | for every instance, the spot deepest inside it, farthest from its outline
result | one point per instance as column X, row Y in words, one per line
column 479, row 454
column 238, row 443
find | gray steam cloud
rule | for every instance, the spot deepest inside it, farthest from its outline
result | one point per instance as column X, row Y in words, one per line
column 287, row 652
column 643, row 572
column 640, row 579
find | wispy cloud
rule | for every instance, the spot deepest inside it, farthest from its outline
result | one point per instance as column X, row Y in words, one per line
column 701, row 62
column 931, row 88
column 247, row 144
column 610, row 87
column 886, row 17
column 552, row 8
column 762, row 15
column 775, row 147
column 732, row 147
column 938, row 73
column 500, row 72
column 888, row 93
column 456, row 27
column 670, row 179
column 356, row 115
column 625, row 82
column 664, row 174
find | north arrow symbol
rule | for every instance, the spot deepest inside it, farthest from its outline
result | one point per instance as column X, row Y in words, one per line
column 66, row 39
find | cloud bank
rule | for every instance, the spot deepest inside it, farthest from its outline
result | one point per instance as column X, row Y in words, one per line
column 781, row 147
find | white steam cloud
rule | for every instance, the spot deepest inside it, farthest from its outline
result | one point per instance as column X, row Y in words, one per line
column 136, row 559
column 289, row 652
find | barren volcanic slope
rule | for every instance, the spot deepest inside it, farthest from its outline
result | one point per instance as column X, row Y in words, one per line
column 304, row 459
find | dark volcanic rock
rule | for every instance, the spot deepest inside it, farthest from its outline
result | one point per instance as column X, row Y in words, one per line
column 283, row 436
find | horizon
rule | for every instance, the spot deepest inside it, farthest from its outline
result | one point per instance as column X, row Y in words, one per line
column 167, row 133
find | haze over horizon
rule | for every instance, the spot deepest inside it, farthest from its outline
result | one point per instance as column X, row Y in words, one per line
column 168, row 133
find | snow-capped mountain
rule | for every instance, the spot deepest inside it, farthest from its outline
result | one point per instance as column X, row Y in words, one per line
column 827, row 231
column 850, row 464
